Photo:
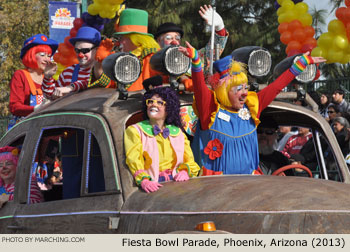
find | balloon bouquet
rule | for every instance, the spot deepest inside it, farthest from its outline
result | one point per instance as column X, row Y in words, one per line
column 99, row 13
column 295, row 27
column 334, row 44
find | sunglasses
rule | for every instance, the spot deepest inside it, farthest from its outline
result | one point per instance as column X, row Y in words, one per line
column 330, row 112
column 150, row 102
column 266, row 131
column 84, row 50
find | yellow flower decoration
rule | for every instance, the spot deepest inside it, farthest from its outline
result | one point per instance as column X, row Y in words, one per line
column 147, row 159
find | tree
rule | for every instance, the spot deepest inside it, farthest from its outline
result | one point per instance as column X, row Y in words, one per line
column 318, row 20
column 18, row 21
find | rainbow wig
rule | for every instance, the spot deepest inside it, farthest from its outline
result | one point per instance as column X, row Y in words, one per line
column 9, row 153
column 142, row 42
column 172, row 104
column 29, row 60
column 232, row 74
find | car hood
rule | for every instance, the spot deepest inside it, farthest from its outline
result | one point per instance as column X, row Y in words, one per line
column 243, row 194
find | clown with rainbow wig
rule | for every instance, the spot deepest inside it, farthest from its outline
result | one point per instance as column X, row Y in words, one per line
column 225, row 141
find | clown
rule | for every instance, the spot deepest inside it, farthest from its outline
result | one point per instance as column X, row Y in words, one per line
column 8, row 169
column 88, row 73
column 168, row 34
column 25, row 85
column 132, row 31
column 157, row 149
column 226, row 141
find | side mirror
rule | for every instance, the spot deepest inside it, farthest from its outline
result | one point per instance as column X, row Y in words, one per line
column 307, row 75
column 257, row 59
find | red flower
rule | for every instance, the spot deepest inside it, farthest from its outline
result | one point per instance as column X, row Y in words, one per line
column 214, row 149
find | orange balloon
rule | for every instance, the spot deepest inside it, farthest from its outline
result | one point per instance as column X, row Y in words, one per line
column 347, row 14
column 309, row 31
column 295, row 24
column 293, row 45
column 347, row 3
column 340, row 13
column 310, row 41
column 283, row 27
column 286, row 37
column 299, row 35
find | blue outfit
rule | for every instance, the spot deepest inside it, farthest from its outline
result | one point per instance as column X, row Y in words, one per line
column 239, row 140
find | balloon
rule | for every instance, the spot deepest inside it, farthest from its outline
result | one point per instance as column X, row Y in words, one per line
column 307, row 48
column 299, row 35
column 92, row 9
column 340, row 13
column 347, row 3
column 311, row 41
column 293, row 45
column 325, row 40
column 73, row 32
column 301, row 8
column 280, row 11
column 309, row 31
column 341, row 41
column 78, row 22
column 305, row 19
column 346, row 59
column 295, row 24
column 347, row 15
column 287, row 5
column 282, row 18
column 335, row 55
column 286, row 37
column 336, row 26
column 276, row 5
column 318, row 74
column 319, row 52
column 280, row 2
column 282, row 27
column 293, row 52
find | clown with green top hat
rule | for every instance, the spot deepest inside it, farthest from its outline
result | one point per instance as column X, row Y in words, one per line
column 132, row 31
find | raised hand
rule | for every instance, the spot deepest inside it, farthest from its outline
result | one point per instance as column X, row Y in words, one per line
column 207, row 14
column 50, row 69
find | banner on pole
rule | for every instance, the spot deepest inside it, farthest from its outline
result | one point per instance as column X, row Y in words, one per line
column 61, row 17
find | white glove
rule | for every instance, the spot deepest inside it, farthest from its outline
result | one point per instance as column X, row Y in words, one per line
column 207, row 14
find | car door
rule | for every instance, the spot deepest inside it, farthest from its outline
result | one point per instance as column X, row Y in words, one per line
column 88, row 198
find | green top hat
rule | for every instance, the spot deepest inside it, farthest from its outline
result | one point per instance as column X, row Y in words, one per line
column 133, row 21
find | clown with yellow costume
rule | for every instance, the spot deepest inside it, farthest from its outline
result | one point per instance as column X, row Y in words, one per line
column 226, row 139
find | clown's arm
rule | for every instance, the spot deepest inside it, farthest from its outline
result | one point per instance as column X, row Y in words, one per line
column 220, row 38
column 204, row 98
column 134, row 154
column 189, row 165
column 268, row 94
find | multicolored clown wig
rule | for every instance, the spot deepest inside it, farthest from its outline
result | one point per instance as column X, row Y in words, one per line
column 172, row 104
column 232, row 74
column 9, row 153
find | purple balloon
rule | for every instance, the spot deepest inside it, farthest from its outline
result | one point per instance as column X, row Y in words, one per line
column 276, row 5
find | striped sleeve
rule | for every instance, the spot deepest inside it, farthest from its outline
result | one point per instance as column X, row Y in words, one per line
column 35, row 193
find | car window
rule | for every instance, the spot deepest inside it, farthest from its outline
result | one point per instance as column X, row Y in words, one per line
column 68, row 164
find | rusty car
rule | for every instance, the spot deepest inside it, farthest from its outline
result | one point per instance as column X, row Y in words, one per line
column 89, row 126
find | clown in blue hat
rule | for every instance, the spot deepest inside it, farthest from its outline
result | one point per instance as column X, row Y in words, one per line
column 225, row 141
column 25, row 85
column 88, row 73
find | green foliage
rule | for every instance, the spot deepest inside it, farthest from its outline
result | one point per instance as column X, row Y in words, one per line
column 18, row 21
